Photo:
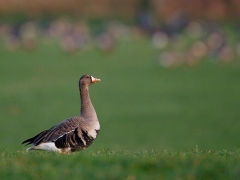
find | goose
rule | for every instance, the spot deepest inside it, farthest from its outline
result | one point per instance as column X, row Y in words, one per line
column 75, row 133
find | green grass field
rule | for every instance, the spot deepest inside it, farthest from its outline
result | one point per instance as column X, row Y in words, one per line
column 151, row 118
column 108, row 164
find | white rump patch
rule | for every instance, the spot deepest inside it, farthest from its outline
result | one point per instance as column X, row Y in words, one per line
column 49, row 146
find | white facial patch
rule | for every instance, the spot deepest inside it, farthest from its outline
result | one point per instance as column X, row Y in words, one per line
column 92, row 78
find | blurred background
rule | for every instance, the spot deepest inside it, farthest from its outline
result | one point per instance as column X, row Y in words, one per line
column 170, row 70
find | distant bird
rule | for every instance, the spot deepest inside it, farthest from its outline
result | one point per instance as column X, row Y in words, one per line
column 75, row 133
column 105, row 42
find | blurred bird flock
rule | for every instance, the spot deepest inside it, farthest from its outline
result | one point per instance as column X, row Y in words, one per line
column 179, row 41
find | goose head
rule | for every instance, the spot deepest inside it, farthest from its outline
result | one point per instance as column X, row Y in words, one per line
column 88, row 80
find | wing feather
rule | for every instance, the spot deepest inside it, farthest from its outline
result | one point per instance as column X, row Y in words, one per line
column 55, row 132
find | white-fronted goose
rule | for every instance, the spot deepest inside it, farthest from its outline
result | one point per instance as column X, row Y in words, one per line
column 75, row 133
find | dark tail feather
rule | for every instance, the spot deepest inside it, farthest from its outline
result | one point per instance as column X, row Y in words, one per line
column 31, row 140
column 28, row 141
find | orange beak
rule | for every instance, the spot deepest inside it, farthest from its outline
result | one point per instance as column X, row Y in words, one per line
column 95, row 79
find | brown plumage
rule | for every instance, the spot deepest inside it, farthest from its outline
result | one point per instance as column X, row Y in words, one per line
column 75, row 133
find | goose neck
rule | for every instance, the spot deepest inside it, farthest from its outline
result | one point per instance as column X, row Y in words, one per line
column 87, row 109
